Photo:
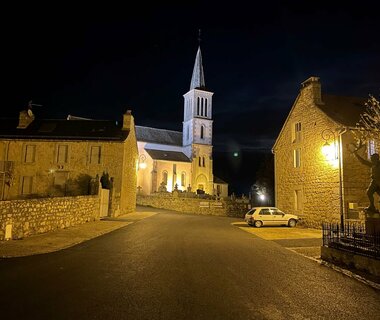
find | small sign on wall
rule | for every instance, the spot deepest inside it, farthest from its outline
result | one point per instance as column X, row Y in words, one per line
column 204, row 204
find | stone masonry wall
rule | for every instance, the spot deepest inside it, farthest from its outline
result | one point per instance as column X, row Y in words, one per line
column 34, row 216
column 317, row 179
column 194, row 205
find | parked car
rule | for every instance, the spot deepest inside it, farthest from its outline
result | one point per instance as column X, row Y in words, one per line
column 270, row 216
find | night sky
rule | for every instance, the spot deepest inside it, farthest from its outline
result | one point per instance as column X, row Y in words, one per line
column 97, row 62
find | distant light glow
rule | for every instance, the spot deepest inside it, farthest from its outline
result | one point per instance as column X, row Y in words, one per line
column 262, row 197
column 236, row 154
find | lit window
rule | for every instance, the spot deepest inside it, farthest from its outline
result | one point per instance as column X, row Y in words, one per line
column 95, row 155
column 165, row 177
column 297, row 158
column 183, row 179
column 30, row 153
column 296, row 132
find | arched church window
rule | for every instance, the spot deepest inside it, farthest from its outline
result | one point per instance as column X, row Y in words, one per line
column 202, row 106
column 202, row 132
column 206, row 107
column 200, row 161
column 183, row 179
column 198, row 106
column 165, row 177
column 204, row 161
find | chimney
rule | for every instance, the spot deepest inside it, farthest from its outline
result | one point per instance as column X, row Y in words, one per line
column 128, row 120
column 311, row 89
column 25, row 118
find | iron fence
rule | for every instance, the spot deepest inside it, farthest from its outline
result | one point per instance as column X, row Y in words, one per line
column 352, row 238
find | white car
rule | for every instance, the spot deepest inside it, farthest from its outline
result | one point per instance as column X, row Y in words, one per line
column 269, row 216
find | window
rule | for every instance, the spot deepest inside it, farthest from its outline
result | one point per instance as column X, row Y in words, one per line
column 30, row 153
column 202, row 106
column 265, row 212
column 205, row 107
column 200, row 161
column 174, row 168
column 183, row 179
column 95, row 155
column 297, row 158
column 297, row 199
column 296, row 132
column 204, row 161
column 371, row 148
column 26, row 185
column 62, row 153
column 202, row 132
column 165, row 177
column 198, row 106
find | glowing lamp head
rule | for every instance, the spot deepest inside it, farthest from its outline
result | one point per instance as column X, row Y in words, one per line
column 262, row 197
column 328, row 151
column 142, row 165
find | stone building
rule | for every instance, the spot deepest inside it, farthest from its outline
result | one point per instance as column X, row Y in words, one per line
column 317, row 185
column 183, row 160
column 45, row 158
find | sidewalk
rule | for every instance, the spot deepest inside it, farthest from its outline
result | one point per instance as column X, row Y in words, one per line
column 64, row 238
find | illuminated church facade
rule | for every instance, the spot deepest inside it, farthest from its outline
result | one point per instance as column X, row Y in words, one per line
column 170, row 160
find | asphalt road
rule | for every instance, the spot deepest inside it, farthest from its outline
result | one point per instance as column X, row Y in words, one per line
column 179, row 266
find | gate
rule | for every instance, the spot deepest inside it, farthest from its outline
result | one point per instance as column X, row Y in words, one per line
column 104, row 202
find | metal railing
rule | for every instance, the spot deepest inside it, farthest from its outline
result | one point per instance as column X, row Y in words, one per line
column 352, row 238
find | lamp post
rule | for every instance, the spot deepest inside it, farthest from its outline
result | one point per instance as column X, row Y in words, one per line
column 333, row 153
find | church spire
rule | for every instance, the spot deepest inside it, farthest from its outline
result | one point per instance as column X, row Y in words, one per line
column 198, row 78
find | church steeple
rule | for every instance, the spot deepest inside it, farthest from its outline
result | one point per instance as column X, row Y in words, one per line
column 198, row 78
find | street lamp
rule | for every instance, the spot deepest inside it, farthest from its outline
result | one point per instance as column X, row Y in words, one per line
column 332, row 154
column 142, row 163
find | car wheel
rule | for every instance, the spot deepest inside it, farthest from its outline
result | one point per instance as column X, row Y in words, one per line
column 258, row 224
column 292, row 223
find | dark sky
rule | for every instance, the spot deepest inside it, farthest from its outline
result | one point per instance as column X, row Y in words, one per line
column 98, row 61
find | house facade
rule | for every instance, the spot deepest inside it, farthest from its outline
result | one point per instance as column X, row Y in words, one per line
column 316, row 175
column 170, row 160
column 47, row 158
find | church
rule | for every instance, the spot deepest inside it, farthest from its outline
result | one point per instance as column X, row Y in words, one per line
column 170, row 160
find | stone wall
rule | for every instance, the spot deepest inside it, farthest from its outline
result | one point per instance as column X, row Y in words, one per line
column 194, row 205
column 23, row 218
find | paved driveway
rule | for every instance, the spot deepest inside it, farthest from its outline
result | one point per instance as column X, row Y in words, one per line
column 304, row 241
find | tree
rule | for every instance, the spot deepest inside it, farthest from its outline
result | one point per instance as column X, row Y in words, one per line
column 368, row 127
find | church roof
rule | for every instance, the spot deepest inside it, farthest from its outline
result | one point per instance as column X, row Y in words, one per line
column 343, row 110
column 219, row 181
column 167, row 155
column 64, row 129
column 159, row 136
column 198, row 78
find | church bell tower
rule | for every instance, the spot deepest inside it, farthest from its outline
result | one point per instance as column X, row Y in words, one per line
column 197, row 129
